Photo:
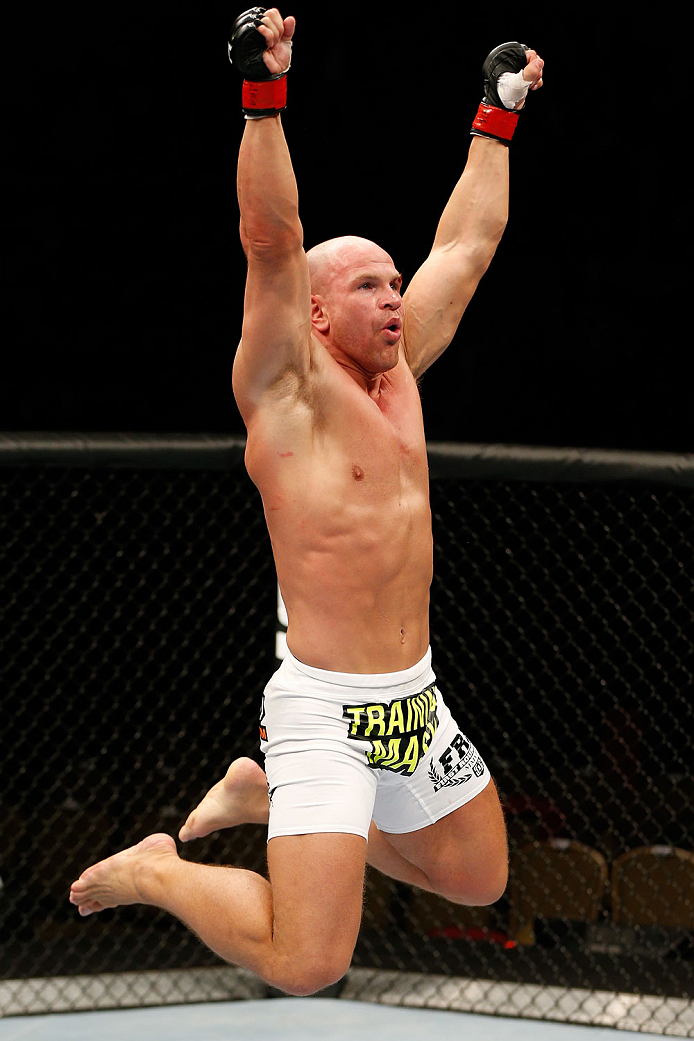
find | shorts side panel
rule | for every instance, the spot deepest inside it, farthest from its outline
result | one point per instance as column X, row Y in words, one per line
column 319, row 791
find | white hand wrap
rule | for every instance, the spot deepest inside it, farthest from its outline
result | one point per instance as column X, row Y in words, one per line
column 512, row 88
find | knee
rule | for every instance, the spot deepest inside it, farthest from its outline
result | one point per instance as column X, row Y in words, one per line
column 475, row 889
column 490, row 888
column 307, row 976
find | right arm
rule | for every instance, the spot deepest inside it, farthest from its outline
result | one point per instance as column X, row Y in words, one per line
column 277, row 309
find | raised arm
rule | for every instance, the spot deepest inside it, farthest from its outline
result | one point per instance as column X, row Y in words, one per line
column 469, row 230
column 277, row 318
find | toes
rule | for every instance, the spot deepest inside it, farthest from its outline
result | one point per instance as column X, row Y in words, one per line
column 187, row 832
column 90, row 907
column 84, row 906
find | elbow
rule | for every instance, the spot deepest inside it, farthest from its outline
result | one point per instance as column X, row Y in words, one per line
column 482, row 252
column 270, row 240
column 475, row 257
column 493, row 233
column 474, row 251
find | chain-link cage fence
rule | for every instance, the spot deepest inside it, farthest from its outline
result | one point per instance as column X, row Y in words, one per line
column 139, row 625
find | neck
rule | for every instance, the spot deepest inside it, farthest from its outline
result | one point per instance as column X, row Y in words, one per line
column 368, row 380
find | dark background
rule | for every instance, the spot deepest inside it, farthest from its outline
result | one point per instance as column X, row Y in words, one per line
column 124, row 280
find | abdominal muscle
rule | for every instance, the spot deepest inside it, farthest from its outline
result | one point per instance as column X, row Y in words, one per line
column 346, row 500
column 357, row 597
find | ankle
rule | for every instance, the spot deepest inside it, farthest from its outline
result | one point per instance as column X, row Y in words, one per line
column 153, row 877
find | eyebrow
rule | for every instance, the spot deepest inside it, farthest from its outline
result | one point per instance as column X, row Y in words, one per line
column 372, row 277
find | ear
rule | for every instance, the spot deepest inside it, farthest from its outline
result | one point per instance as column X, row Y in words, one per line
column 319, row 315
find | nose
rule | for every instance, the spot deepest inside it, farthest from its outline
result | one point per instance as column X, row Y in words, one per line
column 391, row 299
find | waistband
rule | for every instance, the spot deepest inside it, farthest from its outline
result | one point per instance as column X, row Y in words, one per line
column 417, row 676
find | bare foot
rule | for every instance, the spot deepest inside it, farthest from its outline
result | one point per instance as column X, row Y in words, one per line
column 114, row 881
column 239, row 798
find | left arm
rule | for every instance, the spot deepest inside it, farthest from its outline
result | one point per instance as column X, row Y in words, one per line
column 475, row 216
column 468, row 233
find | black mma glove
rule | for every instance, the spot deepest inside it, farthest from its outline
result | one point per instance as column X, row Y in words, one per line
column 495, row 117
column 263, row 94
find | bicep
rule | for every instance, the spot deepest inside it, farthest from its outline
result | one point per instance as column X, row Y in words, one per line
column 276, row 328
column 435, row 301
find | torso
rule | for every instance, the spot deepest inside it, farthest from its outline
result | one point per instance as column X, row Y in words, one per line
column 344, row 481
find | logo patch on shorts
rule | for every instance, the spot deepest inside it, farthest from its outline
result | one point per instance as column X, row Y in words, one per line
column 460, row 756
column 400, row 731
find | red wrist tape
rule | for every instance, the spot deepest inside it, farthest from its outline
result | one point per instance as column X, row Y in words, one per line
column 264, row 97
column 495, row 122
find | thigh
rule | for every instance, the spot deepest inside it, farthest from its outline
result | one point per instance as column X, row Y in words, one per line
column 317, row 892
column 464, row 854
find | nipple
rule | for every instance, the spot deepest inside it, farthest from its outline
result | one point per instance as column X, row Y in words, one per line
column 357, row 473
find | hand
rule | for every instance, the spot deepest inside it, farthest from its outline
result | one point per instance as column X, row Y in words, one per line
column 278, row 33
column 532, row 74
column 533, row 70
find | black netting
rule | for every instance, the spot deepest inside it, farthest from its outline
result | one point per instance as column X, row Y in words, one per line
column 138, row 629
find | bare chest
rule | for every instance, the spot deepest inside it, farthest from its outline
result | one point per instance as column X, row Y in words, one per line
column 352, row 447
column 378, row 440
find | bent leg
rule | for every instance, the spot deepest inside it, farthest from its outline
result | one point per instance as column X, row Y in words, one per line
column 296, row 931
column 463, row 856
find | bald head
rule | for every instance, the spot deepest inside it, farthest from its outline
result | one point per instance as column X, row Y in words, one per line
column 335, row 256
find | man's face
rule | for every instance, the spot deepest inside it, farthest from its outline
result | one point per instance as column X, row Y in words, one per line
column 363, row 306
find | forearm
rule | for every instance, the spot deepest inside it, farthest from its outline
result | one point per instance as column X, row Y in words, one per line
column 476, row 213
column 267, row 191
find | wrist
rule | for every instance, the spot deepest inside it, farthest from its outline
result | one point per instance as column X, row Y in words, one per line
column 261, row 98
column 497, row 123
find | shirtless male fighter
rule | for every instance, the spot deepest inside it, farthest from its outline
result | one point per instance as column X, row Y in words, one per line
column 363, row 760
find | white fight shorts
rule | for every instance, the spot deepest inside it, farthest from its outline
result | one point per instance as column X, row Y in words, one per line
column 343, row 748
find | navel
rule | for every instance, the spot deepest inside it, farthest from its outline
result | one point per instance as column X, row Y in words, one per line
column 357, row 473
